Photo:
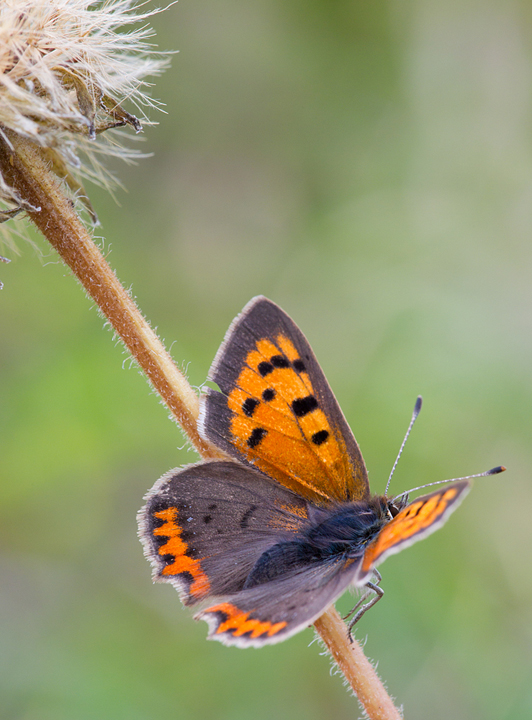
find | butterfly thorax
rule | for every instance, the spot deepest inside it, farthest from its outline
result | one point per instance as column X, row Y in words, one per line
column 347, row 528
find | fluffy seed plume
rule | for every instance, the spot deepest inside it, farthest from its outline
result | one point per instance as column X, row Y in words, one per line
column 66, row 67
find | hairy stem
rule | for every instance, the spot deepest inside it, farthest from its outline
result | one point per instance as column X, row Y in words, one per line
column 24, row 166
column 356, row 668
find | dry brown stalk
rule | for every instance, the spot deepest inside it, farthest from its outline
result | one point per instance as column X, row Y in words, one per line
column 66, row 83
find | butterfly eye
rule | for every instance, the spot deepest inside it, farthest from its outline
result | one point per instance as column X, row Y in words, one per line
column 395, row 506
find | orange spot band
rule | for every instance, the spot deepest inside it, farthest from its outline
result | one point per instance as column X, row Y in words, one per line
column 177, row 547
column 238, row 622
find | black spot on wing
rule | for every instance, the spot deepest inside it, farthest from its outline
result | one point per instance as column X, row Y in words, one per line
column 299, row 365
column 265, row 368
column 256, row 436
column 159, row 540
column 279, row 361
column 157, row 521
column 185, row 577
column 207, row 519
column 192, row 552
column 320, row 437
column 304, row 406
column 220, row 616
column 414, row 510
column 249, row 406
column 244, row 521
column 268, row 394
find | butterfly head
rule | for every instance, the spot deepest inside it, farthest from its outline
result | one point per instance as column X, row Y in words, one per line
column 396, row 504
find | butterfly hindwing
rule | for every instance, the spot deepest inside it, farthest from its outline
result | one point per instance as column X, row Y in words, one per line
column 276, row 610
column 276, row 410
column 420, row 518
column 204, row 527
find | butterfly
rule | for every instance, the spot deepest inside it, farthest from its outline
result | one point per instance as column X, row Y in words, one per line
column 263, row 542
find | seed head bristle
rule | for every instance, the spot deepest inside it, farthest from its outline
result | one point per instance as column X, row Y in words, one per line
column 66, row 67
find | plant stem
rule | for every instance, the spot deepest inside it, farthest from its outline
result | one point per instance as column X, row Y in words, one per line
column 24, row 166
column 356, row 668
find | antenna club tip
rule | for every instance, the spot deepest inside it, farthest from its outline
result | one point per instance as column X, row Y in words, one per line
column 417, row 406
column 496, row 470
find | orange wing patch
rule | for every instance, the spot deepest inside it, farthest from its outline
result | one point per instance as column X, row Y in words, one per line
column 178, row 548
column 290, row 519
column 278, row 425
column 238, row 623
column 413, row 520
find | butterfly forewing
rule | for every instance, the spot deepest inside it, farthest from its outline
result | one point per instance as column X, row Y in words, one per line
column 420, row 518
column 277, row 411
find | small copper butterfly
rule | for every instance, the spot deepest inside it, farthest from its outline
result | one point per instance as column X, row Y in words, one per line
column 265, row 541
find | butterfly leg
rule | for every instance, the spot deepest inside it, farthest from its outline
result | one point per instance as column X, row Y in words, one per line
column 370, row 587
column 361, row 607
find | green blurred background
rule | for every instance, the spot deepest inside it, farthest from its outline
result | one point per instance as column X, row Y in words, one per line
column 368, row 166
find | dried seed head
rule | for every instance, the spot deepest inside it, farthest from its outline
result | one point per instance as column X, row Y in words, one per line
column 66, row 66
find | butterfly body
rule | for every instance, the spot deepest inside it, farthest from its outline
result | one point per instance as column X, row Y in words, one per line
column 263, row 542
column 335, row 534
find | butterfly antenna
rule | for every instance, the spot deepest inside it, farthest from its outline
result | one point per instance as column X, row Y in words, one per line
column 493, row 471
column 417, row 408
